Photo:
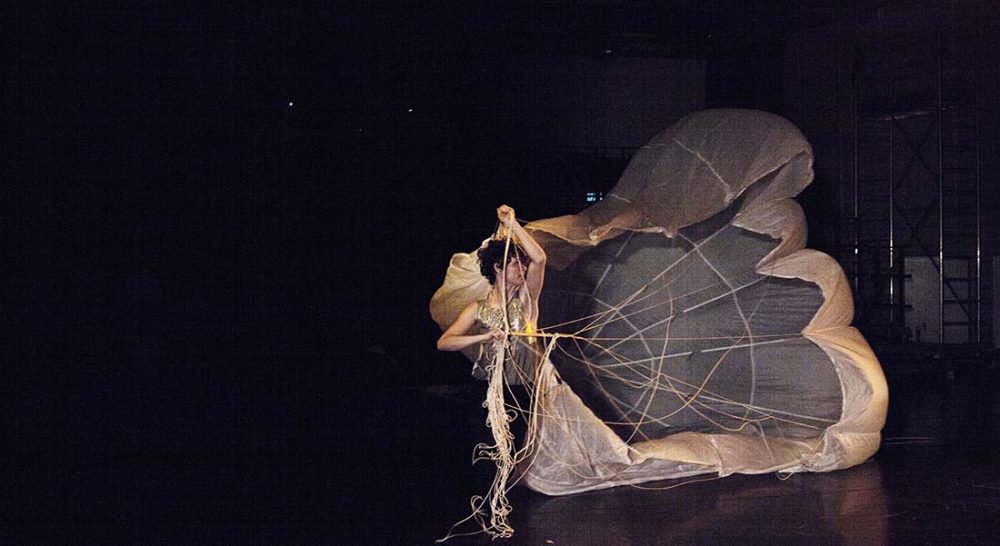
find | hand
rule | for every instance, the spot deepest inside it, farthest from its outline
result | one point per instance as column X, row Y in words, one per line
column 506, row 215
column 497, row 335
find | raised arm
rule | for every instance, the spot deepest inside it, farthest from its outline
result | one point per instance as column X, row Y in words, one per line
column 534, row 251
column 535, row 276
column 454, row 338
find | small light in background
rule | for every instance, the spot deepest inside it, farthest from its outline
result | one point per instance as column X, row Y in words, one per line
column 409, row 109
column 595, row 196
column 291, row 104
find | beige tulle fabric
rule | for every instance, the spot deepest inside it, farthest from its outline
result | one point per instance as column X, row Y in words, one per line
column 691, row 332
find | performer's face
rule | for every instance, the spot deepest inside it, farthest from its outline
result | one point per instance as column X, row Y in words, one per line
column 514, row 272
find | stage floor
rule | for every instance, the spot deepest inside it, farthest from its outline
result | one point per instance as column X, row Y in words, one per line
column 288, row 459
column 936, row 480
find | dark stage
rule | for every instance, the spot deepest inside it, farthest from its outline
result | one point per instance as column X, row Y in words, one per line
column 222, row 229
column 298, row 459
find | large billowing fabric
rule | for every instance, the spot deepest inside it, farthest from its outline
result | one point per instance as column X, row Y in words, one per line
column 697, row 334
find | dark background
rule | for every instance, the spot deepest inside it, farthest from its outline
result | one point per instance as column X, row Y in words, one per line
column 224, row 226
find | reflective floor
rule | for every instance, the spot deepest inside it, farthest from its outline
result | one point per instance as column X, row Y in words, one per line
column 281, row 455
column 936, row 480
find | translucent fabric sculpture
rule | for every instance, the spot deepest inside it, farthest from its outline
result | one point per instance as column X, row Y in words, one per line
column 688, row 329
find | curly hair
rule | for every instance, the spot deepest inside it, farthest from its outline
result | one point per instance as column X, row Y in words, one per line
column 492, row 255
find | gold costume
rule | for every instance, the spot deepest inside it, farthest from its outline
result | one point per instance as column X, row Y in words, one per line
column 519, row 366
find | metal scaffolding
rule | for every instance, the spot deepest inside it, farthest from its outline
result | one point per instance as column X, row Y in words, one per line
column 913, row 245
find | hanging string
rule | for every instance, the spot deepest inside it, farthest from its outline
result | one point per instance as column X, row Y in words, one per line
column 498, row 420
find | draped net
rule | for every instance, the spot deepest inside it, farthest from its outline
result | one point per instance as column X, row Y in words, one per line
column 689, row 330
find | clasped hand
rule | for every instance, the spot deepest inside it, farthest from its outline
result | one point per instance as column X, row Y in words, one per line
column 497, row 335
column 506, row 215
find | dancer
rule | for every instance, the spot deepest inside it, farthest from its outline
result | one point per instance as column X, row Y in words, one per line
column 511, row 306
